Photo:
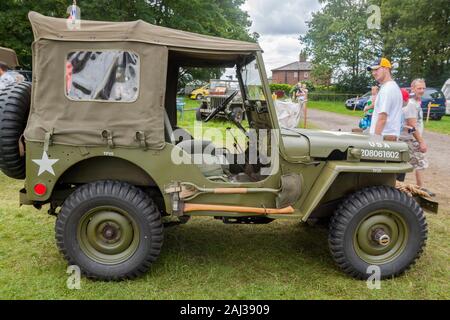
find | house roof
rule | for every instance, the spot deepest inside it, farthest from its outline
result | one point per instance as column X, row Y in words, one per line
column 296, row 66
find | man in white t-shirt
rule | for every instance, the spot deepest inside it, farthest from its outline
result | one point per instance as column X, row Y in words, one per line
column 387, row 114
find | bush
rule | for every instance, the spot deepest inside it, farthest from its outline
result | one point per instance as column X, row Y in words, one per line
column 275, row 87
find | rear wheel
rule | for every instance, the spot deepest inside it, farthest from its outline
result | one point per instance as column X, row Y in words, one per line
column 14, row 109
column 199, row 97
column 378, row 226
column 110, row 229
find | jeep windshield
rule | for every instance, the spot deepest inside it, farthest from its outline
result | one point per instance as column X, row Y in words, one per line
column 252, row 82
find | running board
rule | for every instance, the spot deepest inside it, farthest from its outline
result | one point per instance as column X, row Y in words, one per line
column 189, row 207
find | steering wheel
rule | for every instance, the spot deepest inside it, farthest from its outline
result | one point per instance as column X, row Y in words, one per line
column 222, row 106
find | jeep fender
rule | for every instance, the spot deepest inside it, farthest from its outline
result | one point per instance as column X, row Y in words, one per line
column 367, row 173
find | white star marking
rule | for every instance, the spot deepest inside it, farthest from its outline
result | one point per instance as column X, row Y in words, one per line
column 45, row 164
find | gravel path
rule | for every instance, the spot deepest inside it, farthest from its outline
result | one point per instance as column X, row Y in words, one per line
column 437, row 177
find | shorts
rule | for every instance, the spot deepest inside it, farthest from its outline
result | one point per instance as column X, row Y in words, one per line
column 418, row 159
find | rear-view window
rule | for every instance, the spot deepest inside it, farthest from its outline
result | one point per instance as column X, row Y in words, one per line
column 111, row 75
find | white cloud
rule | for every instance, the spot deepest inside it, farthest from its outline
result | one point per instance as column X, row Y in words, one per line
column 275, row 17
column 280, row 23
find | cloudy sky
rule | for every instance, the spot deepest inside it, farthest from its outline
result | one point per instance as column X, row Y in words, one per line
column 280, row 23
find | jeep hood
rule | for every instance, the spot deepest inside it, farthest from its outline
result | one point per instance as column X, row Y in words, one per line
column 320, row 143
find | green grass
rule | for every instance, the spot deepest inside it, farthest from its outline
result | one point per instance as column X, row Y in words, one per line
column 442, row 126
column 336, row 107
column 206, row 259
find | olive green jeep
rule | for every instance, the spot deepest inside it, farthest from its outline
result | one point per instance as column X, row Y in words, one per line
column 98, row 141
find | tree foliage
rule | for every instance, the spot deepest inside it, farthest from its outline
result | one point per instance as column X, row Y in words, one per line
column 416, row 34
column 413, row 33
column 339, row 40
column 222, row 18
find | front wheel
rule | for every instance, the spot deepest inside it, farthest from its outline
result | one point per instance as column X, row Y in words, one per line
column 110, row 229
column 378, row 226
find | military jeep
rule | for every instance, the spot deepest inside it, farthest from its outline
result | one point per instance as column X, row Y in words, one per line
column 103, row 151
column 219, row 90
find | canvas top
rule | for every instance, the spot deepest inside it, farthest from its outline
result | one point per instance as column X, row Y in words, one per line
column 56, row 29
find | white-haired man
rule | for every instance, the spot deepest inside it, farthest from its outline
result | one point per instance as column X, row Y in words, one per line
column 413, row 130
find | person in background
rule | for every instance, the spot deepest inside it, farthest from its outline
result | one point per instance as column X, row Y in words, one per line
column 366, row 121
column 371, row 102
column 6, row 77
column 386, row 118
column 412, row 132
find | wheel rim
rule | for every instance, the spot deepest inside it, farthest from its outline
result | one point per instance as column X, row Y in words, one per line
column 108, row 235
column 381, row 237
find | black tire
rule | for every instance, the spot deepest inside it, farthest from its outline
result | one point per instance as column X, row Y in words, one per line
column 199, row 115
column 14, row 110
column 359, row 209
column 144, row 218
column 199, row 97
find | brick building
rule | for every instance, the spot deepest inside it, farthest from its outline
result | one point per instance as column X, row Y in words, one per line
column 293, row 72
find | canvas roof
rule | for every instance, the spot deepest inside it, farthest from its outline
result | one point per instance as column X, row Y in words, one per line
column 9, row 57
column 56, row 29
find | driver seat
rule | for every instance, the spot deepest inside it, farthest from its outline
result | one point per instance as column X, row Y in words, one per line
column 212, row 163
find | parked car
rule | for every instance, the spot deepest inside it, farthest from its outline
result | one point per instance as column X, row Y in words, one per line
column 437, row 99
column 359, row 101
column 200, row 93
column 219, row 91
column 446, row 91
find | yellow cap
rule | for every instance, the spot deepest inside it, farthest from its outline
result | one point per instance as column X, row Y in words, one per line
column 382, row 62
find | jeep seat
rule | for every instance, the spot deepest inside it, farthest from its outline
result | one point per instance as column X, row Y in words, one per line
column 210, row 160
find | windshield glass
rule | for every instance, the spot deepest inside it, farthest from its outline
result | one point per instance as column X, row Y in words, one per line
column 252, row 81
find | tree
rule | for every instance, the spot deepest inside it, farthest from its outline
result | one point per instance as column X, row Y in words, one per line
column 222, row 18
column 416, row 34
column 321, row 74
column 339, row 40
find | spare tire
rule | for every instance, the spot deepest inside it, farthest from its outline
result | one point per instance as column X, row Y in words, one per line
column 14, row 110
